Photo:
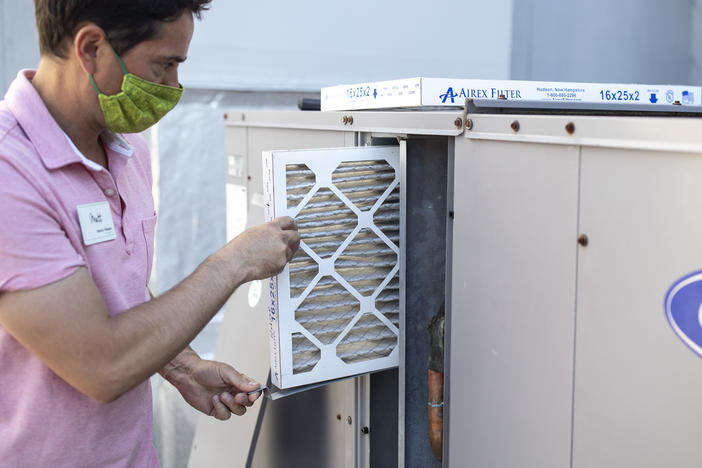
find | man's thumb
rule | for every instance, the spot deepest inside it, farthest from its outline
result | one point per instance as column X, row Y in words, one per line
column 240, row 381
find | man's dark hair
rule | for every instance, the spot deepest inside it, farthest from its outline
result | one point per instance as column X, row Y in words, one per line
column 125, row 22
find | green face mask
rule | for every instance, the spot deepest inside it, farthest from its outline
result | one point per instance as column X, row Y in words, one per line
column 139, row 105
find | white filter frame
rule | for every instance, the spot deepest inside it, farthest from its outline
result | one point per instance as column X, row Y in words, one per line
column 282, row 322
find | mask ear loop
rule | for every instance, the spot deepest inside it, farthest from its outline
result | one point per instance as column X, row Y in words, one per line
column 121, row 64
column 119, row 59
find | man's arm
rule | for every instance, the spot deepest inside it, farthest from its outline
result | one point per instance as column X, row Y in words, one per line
column 66, row 324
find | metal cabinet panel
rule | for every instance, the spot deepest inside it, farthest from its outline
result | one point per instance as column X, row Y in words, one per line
column 637, row 386
column 512, row 306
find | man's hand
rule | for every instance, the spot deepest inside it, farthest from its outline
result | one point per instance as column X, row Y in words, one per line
column 212, row 387
column 265, row 249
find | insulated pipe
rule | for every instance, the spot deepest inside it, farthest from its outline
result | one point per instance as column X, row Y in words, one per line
column 435, row 382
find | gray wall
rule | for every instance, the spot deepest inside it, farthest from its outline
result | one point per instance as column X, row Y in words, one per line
column 18, row 40
column 315, row 43
column 622, row 41
column 600, row 40
column 696, row 43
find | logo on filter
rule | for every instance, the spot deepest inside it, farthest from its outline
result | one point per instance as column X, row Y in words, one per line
column 670, row 96
column 448, row 95
column 479, row 93
column 683, row 309
column 688, row 98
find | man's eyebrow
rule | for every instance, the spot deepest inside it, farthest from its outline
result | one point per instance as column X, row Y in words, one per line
column 173, row 58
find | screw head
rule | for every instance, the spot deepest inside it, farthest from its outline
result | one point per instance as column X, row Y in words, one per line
column 365, row 430
column 570, row 128
column 583, row 240
column 458, row 122
column 345, row 120
column 350, row 119
column 469, row 124
column 349, row 420
column 515, row 125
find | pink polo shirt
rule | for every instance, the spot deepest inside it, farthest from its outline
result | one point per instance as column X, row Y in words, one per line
column 44, row 422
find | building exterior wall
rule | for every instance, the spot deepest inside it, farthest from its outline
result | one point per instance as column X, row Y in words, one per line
column 19, row 46
column 627, row 41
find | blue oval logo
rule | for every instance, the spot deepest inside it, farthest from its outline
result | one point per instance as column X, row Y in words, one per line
column 683, row 309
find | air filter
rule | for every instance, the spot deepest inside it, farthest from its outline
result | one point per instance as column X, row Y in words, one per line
column 335, row 309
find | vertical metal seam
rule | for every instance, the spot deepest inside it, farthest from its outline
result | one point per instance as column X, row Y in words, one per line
column 575, row 304
column 448, row 283
column 403, row 250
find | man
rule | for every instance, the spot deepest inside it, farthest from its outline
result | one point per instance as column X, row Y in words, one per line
column 79, row 336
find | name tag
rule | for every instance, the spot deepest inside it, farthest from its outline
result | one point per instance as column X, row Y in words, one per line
column 96, row 223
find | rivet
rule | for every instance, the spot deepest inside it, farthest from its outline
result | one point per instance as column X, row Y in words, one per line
column 502, row 96
column 365, row 430
column 345, row 120
column 570, row 128
column 226, row 116
column 458, row 122
column 469, row 124
column 248, row 177
column 338, row 417
column 515, row 125
column 677, row 103
column 350, row 120
column 349, row 420
column 583, row 240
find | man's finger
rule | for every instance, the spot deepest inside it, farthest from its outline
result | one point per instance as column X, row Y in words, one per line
column 286, row 223
column 238, row 380
column 243, row 399
column 234, row 406
column 292, row 239
column 253, row 397
column 220, row 411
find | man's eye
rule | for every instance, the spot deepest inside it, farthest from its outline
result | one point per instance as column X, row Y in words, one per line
column 168, row 65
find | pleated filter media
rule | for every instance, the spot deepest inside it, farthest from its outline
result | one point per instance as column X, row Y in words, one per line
column 335, row 309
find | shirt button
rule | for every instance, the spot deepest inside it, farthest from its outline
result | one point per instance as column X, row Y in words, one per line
column 109, row 192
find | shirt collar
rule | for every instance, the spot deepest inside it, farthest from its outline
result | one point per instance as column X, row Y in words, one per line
column 54, row 149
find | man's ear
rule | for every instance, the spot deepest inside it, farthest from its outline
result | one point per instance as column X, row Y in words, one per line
column 86, row 44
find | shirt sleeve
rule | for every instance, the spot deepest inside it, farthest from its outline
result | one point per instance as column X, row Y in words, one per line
column 34, row 248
